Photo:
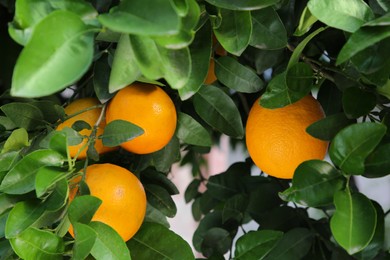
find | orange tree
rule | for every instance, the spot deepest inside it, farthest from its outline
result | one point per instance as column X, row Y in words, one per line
column 56, row 52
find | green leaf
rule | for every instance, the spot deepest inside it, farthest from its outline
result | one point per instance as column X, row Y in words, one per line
column 38, row 244
column 85, row 240
column 58, row 142
column 155, row 177
column 353, row 144
column 119, row 131
column 58, row 197
column 234, row 32
column 282, row 218
column 7, row 202
column 234, row 208
column 295, row 57
column 147, row 56
column 327, row 128
column 377, row 164
column 209, row 221
column 192, row 190
column 268, row 30
column 310, row 177
column 256, row 244
column 200, row 52
column 237, row 76
column 216, row 241
column 279, row 93
column 191, row 131
column 23, row 216
column 108, row 244
column 46, row 178
column 30, row 13
column 124, row 67
column 357, row 102
column 142, row 17
column 346, row 15
column 82, row 209
column 49, row 64
column 294, row 244
column 155, row 216
column 160, row 198
column 189, row 19
column 163, row 159
column 30, row 117
column 16, row 141
column 21, row 178
column 216, row 108
column 7, row 160
column 354, row 221
column 148, row 244
column 242, row 5
column 377, row 241
column 176, row 66
column 72, row 136
column 224, row 185
column 305, row 22
column 101, row 77
column 362, row 39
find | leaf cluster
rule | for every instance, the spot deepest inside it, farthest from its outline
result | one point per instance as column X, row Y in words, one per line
column 281, row 50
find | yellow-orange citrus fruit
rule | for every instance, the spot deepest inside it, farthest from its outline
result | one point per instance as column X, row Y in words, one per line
column 149, row 107
column 210, row 78
column 89, row 116
column 123, row 198
column 277, row 140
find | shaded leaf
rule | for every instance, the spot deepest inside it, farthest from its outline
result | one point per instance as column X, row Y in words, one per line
column 377, row 164
column 309, row 178
column 219, row 111
column 294, row 244
column 191, row 131
column 256, row 244
column 216, row 241
column 234, row 31
column 237, row 76
column 242, row 5
column 357, row 102
column 268, row 30
column 148, row 244
column 327, row 128
column 30, row 118
column 159, row 198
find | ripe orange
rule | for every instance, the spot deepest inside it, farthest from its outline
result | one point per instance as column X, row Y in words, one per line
column 123, row 198
column 277, row 140
column 89, row 116
column 148, row 107
column 210, row 78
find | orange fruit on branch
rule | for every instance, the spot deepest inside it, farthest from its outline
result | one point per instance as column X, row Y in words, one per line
column 149, row 107
column 277, row 140
column 123, row 198
column 90, row 116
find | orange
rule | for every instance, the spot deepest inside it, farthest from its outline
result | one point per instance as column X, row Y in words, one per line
column 123, row 198
column 210, row 78
column 277, row 140
column 90, row 117
column 149, row 107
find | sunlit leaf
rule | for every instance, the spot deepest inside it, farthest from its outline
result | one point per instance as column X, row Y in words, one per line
column 354, row 221
column 38, row 244
column 49, row 64
column 346, row 15
column 242, row 5
column 353, row 144
column 119, row 131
